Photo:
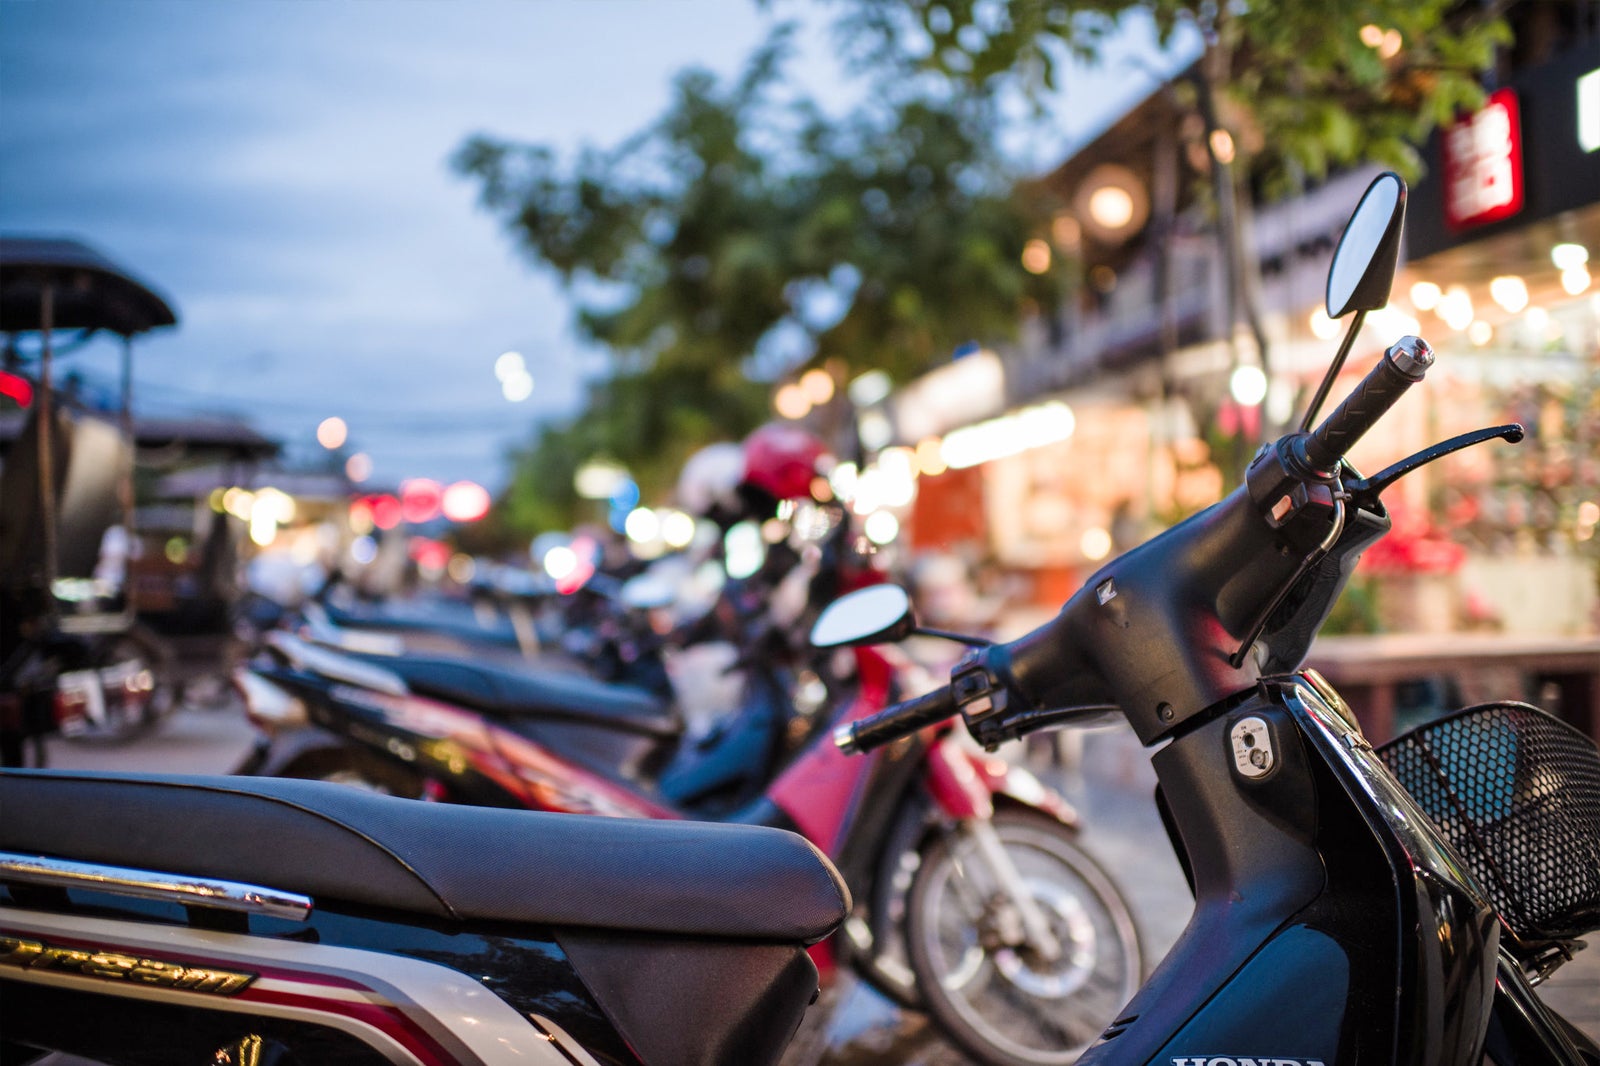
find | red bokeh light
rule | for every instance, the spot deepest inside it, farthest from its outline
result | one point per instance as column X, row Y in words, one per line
column 386, row 513
column 420, row 499
column 428, row 554
column 17, row 387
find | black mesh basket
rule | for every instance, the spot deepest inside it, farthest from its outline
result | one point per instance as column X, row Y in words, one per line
column 1517, row 792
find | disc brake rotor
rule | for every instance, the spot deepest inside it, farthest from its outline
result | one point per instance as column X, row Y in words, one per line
column 1075, row 934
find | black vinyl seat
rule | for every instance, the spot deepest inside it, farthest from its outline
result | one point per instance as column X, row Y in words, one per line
column 498, row 632
column 510, row 692
column 447, row 862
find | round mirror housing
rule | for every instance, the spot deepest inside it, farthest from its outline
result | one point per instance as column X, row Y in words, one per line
column 877, row 614
column 1363, row 265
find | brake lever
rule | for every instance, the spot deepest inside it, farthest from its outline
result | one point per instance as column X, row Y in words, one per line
column 1371, row 488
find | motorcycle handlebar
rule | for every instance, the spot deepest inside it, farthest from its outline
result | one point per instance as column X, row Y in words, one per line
column 1401, row 367
column 892, row 723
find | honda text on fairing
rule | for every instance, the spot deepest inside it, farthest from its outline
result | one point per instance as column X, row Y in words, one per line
column 1352, row 905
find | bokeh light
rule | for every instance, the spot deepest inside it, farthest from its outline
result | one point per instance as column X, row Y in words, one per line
column 332, row 432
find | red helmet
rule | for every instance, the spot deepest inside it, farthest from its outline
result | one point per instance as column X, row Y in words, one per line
column 781, row 460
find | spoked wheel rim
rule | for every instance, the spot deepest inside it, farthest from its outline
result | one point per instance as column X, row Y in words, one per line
column 1001, row 1000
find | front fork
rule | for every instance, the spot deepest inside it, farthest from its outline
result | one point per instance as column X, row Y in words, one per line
column 962, row 795
column 1523, row 1030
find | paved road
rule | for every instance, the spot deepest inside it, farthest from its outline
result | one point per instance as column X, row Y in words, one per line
column 1111, row 785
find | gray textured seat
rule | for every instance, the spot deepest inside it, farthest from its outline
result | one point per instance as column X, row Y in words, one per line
column 332, row 843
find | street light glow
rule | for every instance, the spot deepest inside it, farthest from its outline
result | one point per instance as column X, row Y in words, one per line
column 509, row 365
column 1248, row 385
column 1425, row 295
column 817, row 384
column 1510, row 292
column 332, row 432
column 1036, row 253
column 791, row 402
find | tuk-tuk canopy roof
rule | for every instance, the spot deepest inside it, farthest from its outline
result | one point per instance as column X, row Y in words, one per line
column 90, row 292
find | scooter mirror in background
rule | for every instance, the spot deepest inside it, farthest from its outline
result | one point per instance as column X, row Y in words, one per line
column 1363, row 265
column 874, row 615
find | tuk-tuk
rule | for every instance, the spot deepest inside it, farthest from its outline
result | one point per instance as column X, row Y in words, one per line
column 66, row 491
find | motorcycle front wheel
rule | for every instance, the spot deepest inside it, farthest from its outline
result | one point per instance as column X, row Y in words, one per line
column 996, row 997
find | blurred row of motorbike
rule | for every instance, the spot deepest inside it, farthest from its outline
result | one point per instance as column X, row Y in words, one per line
column 972, row 896
column 1352, row 905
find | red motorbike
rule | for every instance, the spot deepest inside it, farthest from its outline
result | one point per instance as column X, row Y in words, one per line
column 969, row 883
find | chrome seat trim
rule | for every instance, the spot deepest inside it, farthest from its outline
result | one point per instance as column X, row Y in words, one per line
column 152, row 884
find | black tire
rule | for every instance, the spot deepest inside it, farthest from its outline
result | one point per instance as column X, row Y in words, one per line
column 993, row 1001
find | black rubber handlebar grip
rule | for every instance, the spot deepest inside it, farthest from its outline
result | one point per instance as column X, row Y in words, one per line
column 892, row 723
column 1401, row 367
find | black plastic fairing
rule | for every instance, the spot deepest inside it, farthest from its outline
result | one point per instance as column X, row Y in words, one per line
column 1154, row 630
column 1254, row 863
column 1448, row 935
column 695, row 1003
column 1329, row 925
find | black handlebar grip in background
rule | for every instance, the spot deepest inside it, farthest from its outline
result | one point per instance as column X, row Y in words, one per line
column 1401, row 367
column 895, row 722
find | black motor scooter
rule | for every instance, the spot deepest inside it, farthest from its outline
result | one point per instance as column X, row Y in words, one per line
column 1352, row 905
column 148, row 920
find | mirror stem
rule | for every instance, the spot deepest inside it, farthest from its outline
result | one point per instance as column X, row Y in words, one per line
column 1337, row 365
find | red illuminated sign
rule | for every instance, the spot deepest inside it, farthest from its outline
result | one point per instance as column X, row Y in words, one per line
column 18, row 388
column 1483, row 164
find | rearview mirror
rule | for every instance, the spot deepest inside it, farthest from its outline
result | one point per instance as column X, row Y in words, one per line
column 1363, row 265
column 875, row 615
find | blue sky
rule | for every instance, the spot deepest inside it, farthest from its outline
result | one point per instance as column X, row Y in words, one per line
column 278, row 168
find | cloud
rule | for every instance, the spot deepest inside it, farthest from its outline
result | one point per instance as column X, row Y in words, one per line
column 279, row 170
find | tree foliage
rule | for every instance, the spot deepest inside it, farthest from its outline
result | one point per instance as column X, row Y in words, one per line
column 744, row 233
column 1298, row 88
column 1304, row 86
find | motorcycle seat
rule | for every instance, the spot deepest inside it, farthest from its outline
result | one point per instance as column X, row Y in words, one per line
column 445, row 862
column 499, row 632
column 510, row 692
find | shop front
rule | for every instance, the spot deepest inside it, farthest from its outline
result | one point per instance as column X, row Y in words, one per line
column 1501, row 237
column 1149, row 409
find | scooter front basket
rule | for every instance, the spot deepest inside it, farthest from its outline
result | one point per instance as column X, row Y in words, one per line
column 1517, row 792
